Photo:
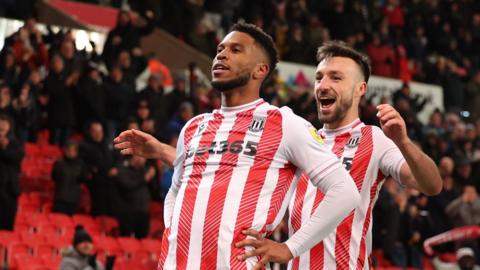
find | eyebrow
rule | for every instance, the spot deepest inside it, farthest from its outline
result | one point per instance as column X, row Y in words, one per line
column 230, row 44
column 330, row 72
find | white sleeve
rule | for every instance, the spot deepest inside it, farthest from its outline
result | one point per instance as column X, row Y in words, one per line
column 307, row 151
column 340, row 199
column 169, row 202
column 390, row 157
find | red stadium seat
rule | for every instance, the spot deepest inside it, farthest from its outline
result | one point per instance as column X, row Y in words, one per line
column 60, row 219
column 108, row 225
column 52, row 261
column 46, row 229
column 16, row 249
column 44, row 249
column 152, row 245
column 28, row 262
column 31, row 150
column 6, row 237
column 156, row 228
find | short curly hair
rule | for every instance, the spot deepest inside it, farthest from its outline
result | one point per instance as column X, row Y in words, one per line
column 263, row 39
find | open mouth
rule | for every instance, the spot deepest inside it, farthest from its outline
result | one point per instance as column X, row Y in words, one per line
column 219, row 66
column 326, row 102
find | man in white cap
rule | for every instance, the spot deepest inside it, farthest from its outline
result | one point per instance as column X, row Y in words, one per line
column 465, row 261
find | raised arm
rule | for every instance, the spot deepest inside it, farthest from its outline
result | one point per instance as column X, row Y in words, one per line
column 419, row 171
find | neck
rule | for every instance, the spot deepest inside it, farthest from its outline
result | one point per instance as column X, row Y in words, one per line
column 238, row 97
column 348, row 119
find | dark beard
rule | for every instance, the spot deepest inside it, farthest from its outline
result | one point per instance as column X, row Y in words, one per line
column 338, row 114
column 232, row 84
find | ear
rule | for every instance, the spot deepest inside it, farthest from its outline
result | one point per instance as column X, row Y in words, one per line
column 261, row 71
column 361, row 89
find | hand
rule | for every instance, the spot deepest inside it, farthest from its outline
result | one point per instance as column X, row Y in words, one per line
column 149, row 14
column 116, row 40
column 266, row 249
column 135, row 142
column 392, row 123
column 113, row 172
column 149, row 174
column 4, row 141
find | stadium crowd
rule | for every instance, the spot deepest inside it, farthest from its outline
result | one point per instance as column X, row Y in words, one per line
column 84, row 99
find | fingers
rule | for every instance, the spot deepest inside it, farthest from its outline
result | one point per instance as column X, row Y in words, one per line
column 261, row 263
column 253, row 233
column 125, row 135
column 127, row 151
column 248, row 242
column 390, row 115
column 122, row 145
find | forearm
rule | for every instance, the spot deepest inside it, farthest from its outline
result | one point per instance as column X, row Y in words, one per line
column 424, row 170
column 340, row 199
column 167, row 154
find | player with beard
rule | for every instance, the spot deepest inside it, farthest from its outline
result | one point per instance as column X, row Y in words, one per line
column 236, row 169
column 369, row 153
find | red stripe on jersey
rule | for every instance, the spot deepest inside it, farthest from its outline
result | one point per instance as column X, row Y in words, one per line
column 267, row 147
column 218, row 192
column 285, row 178
column 296, row 215
column 298, row 203
column 366, row 224
column 188, row 204
column 360, row 163
column 317, row 252
column 164, row 249
column 188, row 134
column 340, row 142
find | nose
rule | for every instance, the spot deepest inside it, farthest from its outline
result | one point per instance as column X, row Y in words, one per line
column 221, row 55
column 321, row 85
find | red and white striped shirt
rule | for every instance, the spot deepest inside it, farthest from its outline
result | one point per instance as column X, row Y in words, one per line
column 369, row 156
column 237, row 168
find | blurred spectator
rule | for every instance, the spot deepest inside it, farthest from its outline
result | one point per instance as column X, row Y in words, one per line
column 184, row 113
column 68, row 174
column 120, row 101
column 405, row 93
column 131, row 64
column 177, row 96
column 6, row 101
column 91, row 100
column 132, row 198
column 61, row 115
column 382, row 57
column 81, row 255
column 296, row 44
column 125, row 36
column 27, row 114
column 472, row 96
column 156, row 100
column 11, row 154
column 465, row 261
column 465, row 210
column 95, row 152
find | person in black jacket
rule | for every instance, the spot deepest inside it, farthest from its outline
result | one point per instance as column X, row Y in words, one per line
column 100, row 160
column 91, row 97
column 125, row 36
column 61, row 116
column 11, row 155
column 133, row 196
column 120, row 101
column 68, row 174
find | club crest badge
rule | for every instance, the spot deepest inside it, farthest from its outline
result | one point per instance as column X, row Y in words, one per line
column 201, row 128
column 258, row 123
column 353, row 142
